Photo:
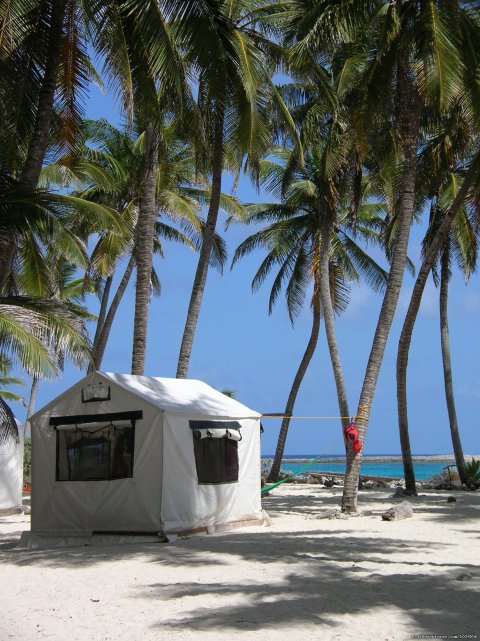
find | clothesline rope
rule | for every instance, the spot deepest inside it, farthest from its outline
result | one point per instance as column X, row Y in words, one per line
column 362, row 413
column 303, row 417
column 300, row 471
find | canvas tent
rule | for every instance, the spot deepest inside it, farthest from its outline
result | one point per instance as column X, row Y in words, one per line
column 117, row 453
column 11, row 460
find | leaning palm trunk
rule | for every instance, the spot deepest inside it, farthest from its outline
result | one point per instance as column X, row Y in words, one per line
column 101, row 344
column 416, row 298
column 407, row 459
column 31, row 402
column 39, row 139
column 409, row 127
column 206, row 249
column 447, row 368
column 101, row 319
column 8, row 248
column 144, row 248
column 292, row 397
column 328, row 317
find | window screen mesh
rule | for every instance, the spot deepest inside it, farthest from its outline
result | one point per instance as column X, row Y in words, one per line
column 216, row 458
column 95, row 454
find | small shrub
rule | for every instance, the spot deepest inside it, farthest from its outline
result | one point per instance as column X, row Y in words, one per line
column 27, row 459
column 266, row 464
column 437, row 481
column 472, row 470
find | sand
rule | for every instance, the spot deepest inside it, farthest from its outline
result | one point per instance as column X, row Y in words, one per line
column 305, row 577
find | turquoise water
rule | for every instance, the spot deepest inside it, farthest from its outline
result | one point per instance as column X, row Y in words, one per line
column 423, row 469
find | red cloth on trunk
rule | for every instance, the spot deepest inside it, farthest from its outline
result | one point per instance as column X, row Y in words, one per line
column 351, row 433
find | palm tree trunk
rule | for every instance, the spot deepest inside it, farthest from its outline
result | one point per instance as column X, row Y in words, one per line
column 31, row 402
column 409, row 127
column 328, row 318
column 144, row 248
column 99, row 347
column 447, row 367
column 416, row 298
column 39, row 140
column 8, row 249
column 407, row 459
column 101, row 319
column 206, row 249
column 292, row 397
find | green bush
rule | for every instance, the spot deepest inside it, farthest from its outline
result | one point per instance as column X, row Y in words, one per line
column 472, row 470
column 27, row 459
column 266, row 465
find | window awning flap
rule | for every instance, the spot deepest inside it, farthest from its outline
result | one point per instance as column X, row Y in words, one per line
column 232, row 434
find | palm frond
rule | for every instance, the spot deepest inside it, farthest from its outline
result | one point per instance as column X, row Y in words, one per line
column 8, row 425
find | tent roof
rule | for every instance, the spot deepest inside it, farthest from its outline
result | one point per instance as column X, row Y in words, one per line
column 180, row 396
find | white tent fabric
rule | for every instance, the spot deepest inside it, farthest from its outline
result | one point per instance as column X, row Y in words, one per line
column 11, row 474
column 163, row 492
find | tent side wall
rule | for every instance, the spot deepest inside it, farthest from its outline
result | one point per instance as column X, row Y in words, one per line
column 188, row 505
column 82, row 507
column 11, row 474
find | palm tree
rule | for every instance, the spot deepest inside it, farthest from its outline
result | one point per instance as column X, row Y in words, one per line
column 168, row 93
column 39, row 221
column 35, row 49
column 6, row 380
column 312, row 237
column 178, row 199
column 64, row 286
column 468, row 188
column 235, row 97
column 447, row 366
column 460, row 241
column 8, row 425
column 406, row 56
column 25, row 324
column 30, row 321
column 297, row 381
column 443, row 164
column 44, row 67
column 109, row 173
column 144, row 233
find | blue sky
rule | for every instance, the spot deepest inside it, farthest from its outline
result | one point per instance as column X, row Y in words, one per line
column 238, row 346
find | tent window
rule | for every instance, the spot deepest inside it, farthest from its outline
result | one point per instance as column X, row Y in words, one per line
column 215, row 445
column 91, row 453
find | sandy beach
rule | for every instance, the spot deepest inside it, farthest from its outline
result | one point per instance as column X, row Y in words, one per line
column 306, row 576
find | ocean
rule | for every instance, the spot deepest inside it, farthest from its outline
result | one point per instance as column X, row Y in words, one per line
column 425, row 466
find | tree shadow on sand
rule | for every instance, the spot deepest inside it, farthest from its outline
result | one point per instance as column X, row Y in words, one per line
column 324, row 598
column 433, row 504
column 316, row 576
column 327, row 576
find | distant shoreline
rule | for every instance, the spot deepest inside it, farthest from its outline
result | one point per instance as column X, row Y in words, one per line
column 378, row 458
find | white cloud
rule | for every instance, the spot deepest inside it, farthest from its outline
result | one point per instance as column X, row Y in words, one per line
column 470, row 391
column 360, row 302
column 470, row 303
column 429, row 304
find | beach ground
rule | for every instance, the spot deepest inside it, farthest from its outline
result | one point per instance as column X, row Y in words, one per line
column 304, row 577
